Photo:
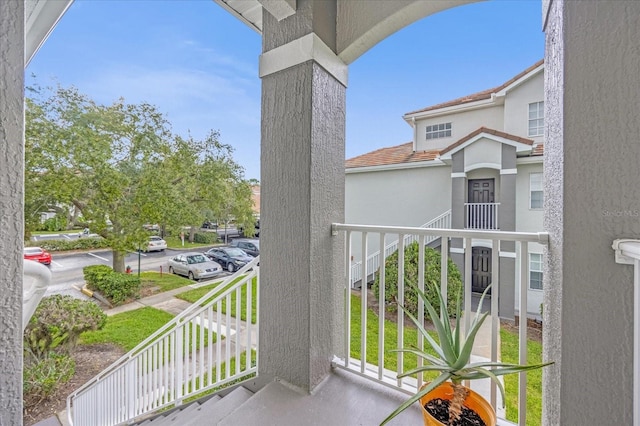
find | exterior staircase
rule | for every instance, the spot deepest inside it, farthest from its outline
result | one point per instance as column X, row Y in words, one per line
column 209, row 411
column 373, row 260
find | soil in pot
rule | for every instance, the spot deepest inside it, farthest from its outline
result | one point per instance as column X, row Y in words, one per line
column 439, row 408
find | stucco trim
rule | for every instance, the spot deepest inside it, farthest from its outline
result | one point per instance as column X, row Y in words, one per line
column 458, row 175
column 402, row 166
column 496, row 166
column 508, row 254
column 306, row 48
column 509, row 172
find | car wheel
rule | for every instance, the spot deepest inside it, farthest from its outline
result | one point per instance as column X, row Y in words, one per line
column 191, row 276
column 171, row 271
column 231, row 267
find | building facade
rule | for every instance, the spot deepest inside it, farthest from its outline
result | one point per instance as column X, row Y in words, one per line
column 478, row 160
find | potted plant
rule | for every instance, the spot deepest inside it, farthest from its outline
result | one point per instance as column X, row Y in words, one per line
column 446, row 396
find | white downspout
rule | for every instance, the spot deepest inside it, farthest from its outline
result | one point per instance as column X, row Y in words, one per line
column 627, row 252
column 415, row 134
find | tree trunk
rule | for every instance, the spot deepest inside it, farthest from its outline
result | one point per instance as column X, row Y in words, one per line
column 118, row 261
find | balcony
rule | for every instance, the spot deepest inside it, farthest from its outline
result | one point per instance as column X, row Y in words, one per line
column 182, row 361
column 483, row 216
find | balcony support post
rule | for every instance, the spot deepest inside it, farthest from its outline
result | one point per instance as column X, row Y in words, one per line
column 591, row 197
column 11, row 207
column 302, row 184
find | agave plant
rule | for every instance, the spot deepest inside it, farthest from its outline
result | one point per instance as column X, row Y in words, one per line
column 453, row 355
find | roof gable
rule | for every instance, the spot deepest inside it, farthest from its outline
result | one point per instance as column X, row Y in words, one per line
column 485, row 94
column 404, row 154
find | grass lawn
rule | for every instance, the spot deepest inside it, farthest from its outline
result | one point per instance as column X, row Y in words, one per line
column 509, row 352
column 193, row 296
column 164, row 282
column 176, row 243
column 128, row 329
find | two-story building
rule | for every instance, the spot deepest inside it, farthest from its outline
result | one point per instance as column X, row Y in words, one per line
column 474, row 163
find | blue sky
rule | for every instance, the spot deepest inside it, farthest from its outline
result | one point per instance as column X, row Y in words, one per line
column 199, row 66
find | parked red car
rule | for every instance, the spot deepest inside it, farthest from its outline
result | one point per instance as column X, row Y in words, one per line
column 38, row 254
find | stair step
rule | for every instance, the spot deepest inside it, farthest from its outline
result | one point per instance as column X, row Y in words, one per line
column 223, row 407
column 175, row 417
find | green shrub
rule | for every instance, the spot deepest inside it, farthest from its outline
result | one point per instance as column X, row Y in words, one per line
column 54, row 224
column 115, row 286
column 75, row 244
column 57, row 324
column 42, row 377
column 205, row 238
column 95, row 274
column 431, row 275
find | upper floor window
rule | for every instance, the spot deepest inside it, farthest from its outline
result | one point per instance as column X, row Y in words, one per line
column 535, row 271
column 536, row 194
column 441, row 130
column 536, row 119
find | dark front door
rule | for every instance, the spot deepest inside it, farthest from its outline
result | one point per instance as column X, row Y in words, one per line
column 480, row 214
column 480, row 269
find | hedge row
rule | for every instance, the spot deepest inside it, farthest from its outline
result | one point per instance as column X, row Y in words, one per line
column 115, row 286
column 65, row 245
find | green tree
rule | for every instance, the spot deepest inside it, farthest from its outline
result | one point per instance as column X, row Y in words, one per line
column 120, row 167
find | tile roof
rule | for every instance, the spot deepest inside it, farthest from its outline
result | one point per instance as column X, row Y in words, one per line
column 392, row 155
column 402, row 154
column 485, row 94
column 491, row 132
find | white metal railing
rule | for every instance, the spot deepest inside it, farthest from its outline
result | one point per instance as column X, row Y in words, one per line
column 378, row 371
column 481, row 215
column 204, row 347
column 37, row 279
column 373, row 260
column 627, row 251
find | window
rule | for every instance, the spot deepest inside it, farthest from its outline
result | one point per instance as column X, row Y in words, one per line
column 441, row 130
column 536, row 119
column 536, row 196
column 535, row 271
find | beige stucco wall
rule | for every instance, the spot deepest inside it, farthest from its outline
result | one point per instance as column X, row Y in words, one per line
column 409, row 197
column 462, row 124
column 516, row 106
column 527, row 220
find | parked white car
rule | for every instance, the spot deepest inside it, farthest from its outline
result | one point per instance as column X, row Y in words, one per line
column 156, row 244
column 195, row 266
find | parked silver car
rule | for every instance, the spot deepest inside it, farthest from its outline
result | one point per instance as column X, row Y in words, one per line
column 195, row 266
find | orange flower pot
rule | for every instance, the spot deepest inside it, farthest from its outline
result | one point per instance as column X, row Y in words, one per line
column 473, row 402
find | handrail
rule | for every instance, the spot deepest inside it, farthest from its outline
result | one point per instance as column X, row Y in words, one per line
column 356, row 359
column 169, row 365
column 373, row 260
column 33, row 289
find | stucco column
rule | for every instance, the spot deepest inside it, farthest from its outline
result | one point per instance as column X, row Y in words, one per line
column 507, row 222
column 302, row 184
column 11, row 208
column 592, row 196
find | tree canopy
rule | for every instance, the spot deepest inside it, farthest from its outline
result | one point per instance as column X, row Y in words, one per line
column 117, row 167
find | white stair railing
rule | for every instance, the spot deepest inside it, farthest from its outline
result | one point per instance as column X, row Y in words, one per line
column 206, row 346
column 373, row 260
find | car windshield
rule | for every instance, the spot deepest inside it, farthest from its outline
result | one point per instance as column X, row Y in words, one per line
column 198, row 258
column 235, row 252
column 155, row 239
column 33, row 250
